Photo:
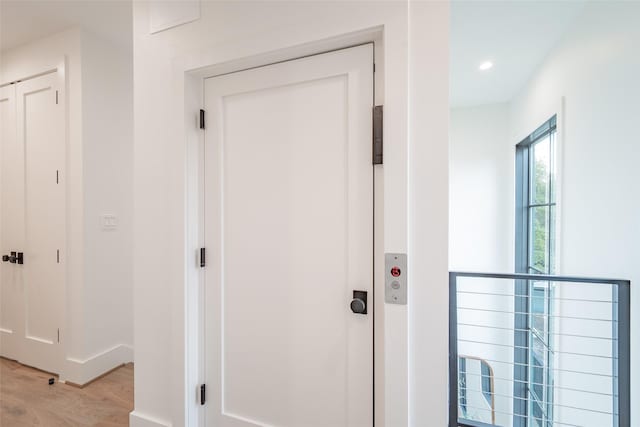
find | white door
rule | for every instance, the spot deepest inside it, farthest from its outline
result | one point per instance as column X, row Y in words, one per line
column 289, row 233
column 33, row 222
column 10, row 214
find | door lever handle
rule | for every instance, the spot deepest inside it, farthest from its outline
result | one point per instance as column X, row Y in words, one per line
column 14, row 258
column 359, row 302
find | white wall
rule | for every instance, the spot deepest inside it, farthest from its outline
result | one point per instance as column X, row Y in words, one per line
column 231, row 31
column 98, row 332
column 481, row 216
column 107, row 124
column 590, row 80
column 595, row 68
column 428, row 214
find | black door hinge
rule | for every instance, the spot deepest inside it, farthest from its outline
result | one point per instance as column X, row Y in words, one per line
column 201, row 119
column 377, row 135
column 203, row 394
column 203, row 257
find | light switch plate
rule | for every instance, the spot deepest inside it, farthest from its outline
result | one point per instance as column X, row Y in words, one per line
column 395, row 278
column 109, row 222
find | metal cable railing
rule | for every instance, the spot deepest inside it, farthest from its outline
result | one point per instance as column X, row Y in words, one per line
column 530, row 350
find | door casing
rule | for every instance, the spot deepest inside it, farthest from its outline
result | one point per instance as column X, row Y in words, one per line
column 192, row 92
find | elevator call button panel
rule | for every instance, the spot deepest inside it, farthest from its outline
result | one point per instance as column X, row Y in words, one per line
column 395, row 280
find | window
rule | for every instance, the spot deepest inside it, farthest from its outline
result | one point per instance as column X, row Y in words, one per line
column 540, row 356
column 462, row 386
column 535, row 254
column 475, row 390
column 487, row 389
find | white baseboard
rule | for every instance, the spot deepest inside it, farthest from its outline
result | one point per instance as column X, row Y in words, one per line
column 80, row 372
column 136, row 419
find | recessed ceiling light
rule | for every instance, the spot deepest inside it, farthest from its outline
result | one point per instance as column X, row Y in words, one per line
column 486, row 65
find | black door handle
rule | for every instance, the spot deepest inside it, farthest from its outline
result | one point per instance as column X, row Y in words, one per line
column 14, row 258
column 359, row 302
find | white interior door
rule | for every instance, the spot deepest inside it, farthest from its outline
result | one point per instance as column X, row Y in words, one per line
column 33, row 223
column 10, row 236
column 289, row 229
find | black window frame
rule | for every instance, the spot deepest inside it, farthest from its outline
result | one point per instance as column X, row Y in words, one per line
column 524, row 332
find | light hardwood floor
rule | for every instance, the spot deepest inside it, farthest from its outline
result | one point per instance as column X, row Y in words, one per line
column 27, row 399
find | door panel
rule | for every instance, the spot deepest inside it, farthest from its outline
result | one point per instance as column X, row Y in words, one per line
column 11, row 218
column 42, row 232
column 289, row 220
column 41, row 131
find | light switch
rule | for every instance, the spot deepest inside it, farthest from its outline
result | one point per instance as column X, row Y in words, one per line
column 109, row 222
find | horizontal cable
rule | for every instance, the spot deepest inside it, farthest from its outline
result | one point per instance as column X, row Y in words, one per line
column 553, row 369
column 456, row 275
column 537, row 314
column 533, row 297
column 529, row 330
column 525, row 348
column 555, row 405
column 555, row 423
column 511, row 380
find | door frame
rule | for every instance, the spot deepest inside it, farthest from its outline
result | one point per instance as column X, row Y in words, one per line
column 58, row 68
column 191, row 91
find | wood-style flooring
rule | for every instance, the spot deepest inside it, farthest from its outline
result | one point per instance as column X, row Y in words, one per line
column 27, row 399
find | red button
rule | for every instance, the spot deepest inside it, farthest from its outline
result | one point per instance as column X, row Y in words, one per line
column 395, row 271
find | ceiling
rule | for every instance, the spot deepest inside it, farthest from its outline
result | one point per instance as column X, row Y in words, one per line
column 22, row 21
column 515, row 35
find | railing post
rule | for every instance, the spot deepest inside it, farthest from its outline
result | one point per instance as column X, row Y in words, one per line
column 453, row 351
column 623, row 372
